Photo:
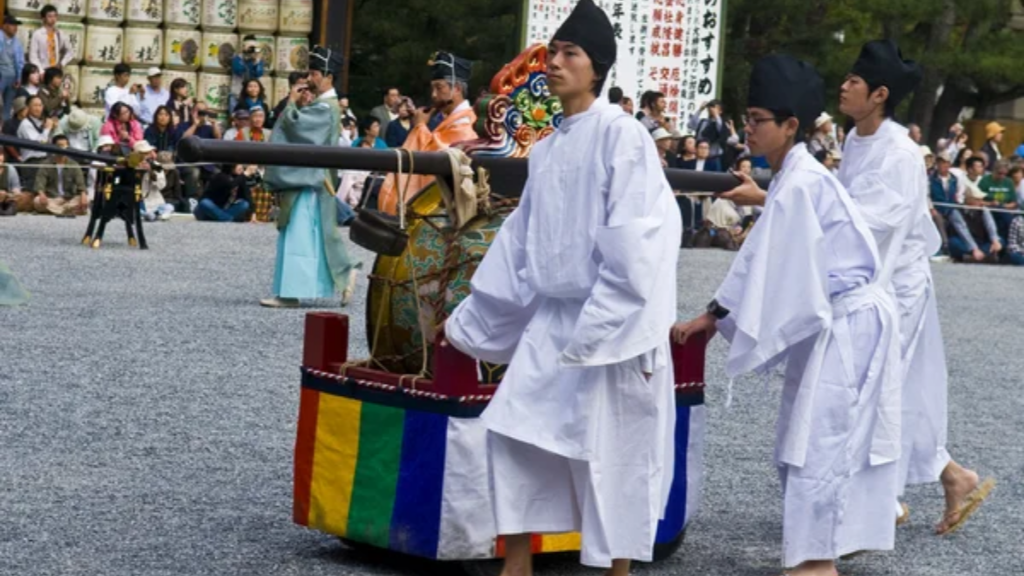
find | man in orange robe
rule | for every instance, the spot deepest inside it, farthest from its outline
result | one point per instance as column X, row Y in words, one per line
column 448, row 91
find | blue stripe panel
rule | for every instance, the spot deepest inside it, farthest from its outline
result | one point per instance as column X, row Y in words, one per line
column 416, row 520
column 675, row 513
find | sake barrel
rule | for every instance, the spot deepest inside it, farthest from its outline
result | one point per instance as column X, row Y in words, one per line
column 292, row 54
column 258, row 15
column 96, row 112
column 92, row 85
column 218, row 50
column 145, row 13
column 72, row 78
column 183, row 13
column 104, row 45
column 267, row 45
column 183, row 48
column 296, row 16
column 75, row 34
column 214, row 89
column 25, row 30
column 108, row 12
column 190, row 77
column 67, row 10
column 220, row 14
column 281, row 90
column 143, row 47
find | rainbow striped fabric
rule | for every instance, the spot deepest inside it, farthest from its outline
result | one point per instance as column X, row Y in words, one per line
column 410, row 475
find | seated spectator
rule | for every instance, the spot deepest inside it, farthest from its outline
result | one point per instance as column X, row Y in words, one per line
column 256, row 131
column 56, row 99
column 31, row 81
column 37, row 129
column 1015, row 242
column 627, row 105
column 1017, row 176
column 225, row 198
column 993, row 137
column 687, row 150
column 973, row 174
column 944, row 190
column 1000, row 192
column 154, row 205
column 294, row 78
column 664, row 141
column 180, row 103
column 253, row 95
column 59, row 187
column 822, row 138
column 122, row 126
column 726, row 214
column 19, row 111
column 173, row 191
column 10, row 188
column 369, row 128
column 81, row 128
column 975, row 236
column 239, row 122
column 702, row 161
column 929, row 159
column 161, row 133
column 398, row 129
column 957, row 142
column 202, row 124
column 1019, row 152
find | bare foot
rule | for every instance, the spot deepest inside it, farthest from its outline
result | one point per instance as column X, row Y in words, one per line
column 957, row 482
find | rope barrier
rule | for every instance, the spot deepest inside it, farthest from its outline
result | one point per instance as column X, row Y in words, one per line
column 968, row 207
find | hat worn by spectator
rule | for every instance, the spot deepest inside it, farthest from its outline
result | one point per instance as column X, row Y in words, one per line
column 993, row 129
column 661, row 134
column 325, row 61
column 882, row 64
column 824, row 117
column 19, row 104
column 11, row 21
column 241, row 114
column 78, row 120
column 943, row 157
column 781, row 83
column 105, row 140
column 143, row 147
column 926, row 151
column 154, row 71
column 836, row 155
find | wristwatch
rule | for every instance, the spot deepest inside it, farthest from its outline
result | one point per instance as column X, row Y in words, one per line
column 717, row 310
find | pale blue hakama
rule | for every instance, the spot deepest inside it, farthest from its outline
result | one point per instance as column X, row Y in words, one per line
column 301, row 270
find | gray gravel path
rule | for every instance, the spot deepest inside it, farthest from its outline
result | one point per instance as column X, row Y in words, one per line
column 147, row 416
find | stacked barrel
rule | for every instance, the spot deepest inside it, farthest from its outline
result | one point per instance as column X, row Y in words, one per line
column 191, row 39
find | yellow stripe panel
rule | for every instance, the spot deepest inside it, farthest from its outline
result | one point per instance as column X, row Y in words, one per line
column 334, row 463
column 560, row 542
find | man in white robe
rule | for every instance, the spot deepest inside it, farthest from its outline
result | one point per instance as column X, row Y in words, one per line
column 885, row 174
column 577, row 294
column 804, row 290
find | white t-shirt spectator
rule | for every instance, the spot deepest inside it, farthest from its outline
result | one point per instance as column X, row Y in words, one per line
column 115, row 94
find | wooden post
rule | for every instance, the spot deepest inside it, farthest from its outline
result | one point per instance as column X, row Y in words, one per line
column 332, row 27
column 325, row 343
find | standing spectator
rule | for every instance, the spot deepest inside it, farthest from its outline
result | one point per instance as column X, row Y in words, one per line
column 914, row 131
column 81, row 128
column 349, row 132
column 239, row 121
column 1015, row 242
column 711, row 129
column 120, row 91
column 702, row 161
column 122, row 126
column 161, row 133
column 19, row 111
column 31, row 79
column 37, row 129
column 369, row 129
column 692, row 207
column 653, row 112
column 346, row 111
column 615, row 95
column 225, row 198
column 398, row 129
column 48, row 47
column 627, row 105
column 822, row 138
column 256, row 131
column 387, row 111
column 245, row 66
column 294, row 78
column 10, row 188
column 153, row 96
column 55, row 96
column 180, row 103
column 12, row 61
column 60, row 187
column 993, row 136
column 253, row 95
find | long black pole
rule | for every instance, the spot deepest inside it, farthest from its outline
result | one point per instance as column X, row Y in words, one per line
column 508, row 175
column 51, row 149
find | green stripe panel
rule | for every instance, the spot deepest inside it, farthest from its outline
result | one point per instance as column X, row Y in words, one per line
column 373, row 492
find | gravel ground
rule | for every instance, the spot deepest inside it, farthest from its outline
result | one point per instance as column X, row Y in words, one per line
column 148, row 407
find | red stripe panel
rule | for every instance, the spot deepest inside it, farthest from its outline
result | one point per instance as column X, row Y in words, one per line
column 305, row 445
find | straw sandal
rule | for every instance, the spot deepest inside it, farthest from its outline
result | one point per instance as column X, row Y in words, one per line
column 967, row 508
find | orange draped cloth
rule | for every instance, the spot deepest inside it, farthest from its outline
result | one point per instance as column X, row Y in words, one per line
column 457, row 127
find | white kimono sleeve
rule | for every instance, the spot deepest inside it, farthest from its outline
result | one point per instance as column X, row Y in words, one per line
column 885, row 197
column 627, row 314
column 488, row 324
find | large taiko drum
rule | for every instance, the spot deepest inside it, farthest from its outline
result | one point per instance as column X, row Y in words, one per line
column 438, row 264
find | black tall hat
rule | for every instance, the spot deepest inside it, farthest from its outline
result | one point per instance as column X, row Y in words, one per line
column 882, row 64
column 589, row 28
column 782, row 83
column 326, row 60
column 448, row 66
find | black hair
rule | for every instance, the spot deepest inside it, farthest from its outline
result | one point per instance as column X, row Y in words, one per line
column 615, row 95
column 262, row 96
column 743, row 159
column 347, row 122
column 821, row 155
column 890, row 108
column 27, row 71
column 783, row 115
column 47, row 10
column 974, row 160
column 115, row 112
column 122, row 68
column 714, row 103
column 170, row 115
column 58, row 138
column 50, row 74
column 681, row 147
column 960, row 157
column 365, row 123
column 388, row 90
column 294, row 77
